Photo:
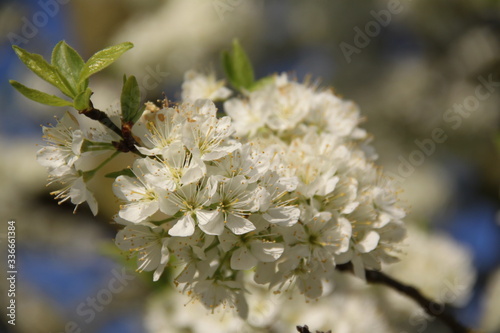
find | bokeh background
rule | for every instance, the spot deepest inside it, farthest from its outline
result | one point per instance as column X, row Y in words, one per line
column 410, row 65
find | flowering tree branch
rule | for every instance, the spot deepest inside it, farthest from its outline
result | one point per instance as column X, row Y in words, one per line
column 101, row 117
column 283, row 183
column 434, row 309
column 128, row 143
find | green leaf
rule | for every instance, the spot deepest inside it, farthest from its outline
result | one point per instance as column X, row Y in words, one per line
column 131, row 100
column 39, row 96
column 43, row 69
column 238, row 68
column 70, row 65
column 82, row 101
column 262, row 82
column 125, row 172
column 103, row 59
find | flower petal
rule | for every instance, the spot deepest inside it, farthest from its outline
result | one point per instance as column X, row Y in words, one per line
column 369, row 242
column 239, row 225
column 267, row 252
column 138, row 211
column 242, row 259
column 184, row 227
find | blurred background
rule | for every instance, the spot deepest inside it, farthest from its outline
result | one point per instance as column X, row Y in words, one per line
column 416, row 68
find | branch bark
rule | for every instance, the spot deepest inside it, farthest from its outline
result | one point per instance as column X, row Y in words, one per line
column 128, row 143
column 437, row 310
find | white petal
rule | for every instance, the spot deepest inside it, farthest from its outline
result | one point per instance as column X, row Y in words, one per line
column 165, row 255
column 168, row 206
column 286, row 216
column 262, row 196
column 290, row 183
column 349, row 208
column 265, row 272
column 184, row 227
column 267, row 252
column 382, row 221
column 193, row 174
column 242, row 259
column 206, row 216
column 359, row 268
column 148, row 152
column 329, row 186
column 345, row 229
column 76, row 145
column 214, row 225
column 138, row 211
column 78, row 191
column 343, row 258
column 239, row 225
column 92, row 202
column 312, row 287
column 369, row 242
column 128, row 188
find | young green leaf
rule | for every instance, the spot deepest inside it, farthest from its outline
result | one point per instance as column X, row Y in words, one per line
column 103, row 59
column 70, row 65
column 238, row 68
column 131, row 100
column 39, row 96
column 82, row 101
column 124, row 172
column 262, row 82
column 43, row 69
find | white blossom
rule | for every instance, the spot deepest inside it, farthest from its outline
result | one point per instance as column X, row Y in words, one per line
column 64, row 145
column 158, row 129
column 147, row 243
column 197, row 85
column 140, row 194
column 192, row 202
column 285, row 183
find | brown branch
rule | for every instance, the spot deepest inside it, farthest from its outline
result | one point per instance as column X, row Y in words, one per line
column 128, row 143
column 101, row 117
column 305, row 329
column 434, row 309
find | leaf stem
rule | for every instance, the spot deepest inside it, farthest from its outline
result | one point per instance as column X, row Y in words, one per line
column 128, row 143
column 89, row 174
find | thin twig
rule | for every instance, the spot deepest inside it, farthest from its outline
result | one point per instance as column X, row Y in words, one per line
column 128, row 143
column 434, row 309
column 305, row 329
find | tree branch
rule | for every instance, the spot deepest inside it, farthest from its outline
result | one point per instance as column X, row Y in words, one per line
column 128, row 143
column 305, row 329
column 434, row 309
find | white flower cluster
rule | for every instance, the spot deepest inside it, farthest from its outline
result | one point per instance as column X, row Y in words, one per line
column 167, row 312
column 284, row 184
column 72, row 145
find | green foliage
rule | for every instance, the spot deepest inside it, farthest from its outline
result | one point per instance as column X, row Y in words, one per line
column 262, row 82
column 131, row 100
column 238, row 68
column 82, row 101
column 125, row 172
column 103, row 59
column 39, row 96
column 70, row 65
column 43, row 69
column 67, row 72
